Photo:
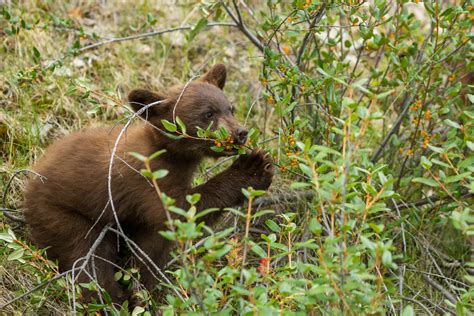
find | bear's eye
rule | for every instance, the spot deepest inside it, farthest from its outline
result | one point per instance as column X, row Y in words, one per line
column 209, row 114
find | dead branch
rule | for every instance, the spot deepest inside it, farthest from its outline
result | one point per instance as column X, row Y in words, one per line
column 150, row 34
column 440, row 288
column 309, row 34
column 240, row 24
column 86, row 260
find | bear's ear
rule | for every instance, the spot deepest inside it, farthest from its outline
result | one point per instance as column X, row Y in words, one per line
column 216, row 76
column 139, row 98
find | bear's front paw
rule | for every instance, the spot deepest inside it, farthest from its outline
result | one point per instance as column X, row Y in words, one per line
column 256, row 167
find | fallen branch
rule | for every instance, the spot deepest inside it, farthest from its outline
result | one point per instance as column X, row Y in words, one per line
column 150, row 34
column 10, row 216
column 441, row 289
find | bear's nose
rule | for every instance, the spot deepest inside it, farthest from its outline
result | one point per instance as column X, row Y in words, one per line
column 240, row 135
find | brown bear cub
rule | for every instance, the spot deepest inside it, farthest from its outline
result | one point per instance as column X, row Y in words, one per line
column 67, row 211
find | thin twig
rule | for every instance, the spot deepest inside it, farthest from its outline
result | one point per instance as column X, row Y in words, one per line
column 14, row 175
column 150, row 34
column 309, row 34
column 243, row 28
column 426, row 309
column 86, row 260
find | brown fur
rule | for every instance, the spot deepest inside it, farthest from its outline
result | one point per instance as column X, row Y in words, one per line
column 61, row 210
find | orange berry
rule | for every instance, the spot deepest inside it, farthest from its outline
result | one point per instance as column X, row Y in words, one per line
column 427, row 114
column 410, row 152
column 426, row 142
column 286, row 49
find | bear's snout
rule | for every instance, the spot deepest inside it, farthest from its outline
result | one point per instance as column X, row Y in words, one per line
column 240, row 135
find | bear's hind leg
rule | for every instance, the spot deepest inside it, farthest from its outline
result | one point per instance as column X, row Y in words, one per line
column 158, row 250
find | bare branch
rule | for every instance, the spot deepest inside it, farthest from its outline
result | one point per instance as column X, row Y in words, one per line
column 441, row 289
column 150, row 34
column 243, row 28
column 309, row 34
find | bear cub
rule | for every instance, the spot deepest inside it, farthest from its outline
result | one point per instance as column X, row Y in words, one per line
column 67, row 211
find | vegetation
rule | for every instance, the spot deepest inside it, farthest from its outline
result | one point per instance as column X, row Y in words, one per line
column 366, row 107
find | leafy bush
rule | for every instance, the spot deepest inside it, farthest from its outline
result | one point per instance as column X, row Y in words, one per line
column 366, row 109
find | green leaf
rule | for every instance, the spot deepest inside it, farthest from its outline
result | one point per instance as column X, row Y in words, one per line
column 168, row 235
column 452, row 123
column 6, row 237
column 198, row 27
column 17, row 254
column 408, row 311
column 36, row 53
column 170, row 127
column 181, row 125
column 158, row 174
column 426, row 181
column 118, row 275
column 272, row 225
column 193, row 199
column 299, row 185
column 137, row 310
column 457, row 178
column 261, row 213
column 426, row 163
column 207, row 211
column 315, row 227
column 177, row 210
column 157, row 154
column 257, row 249
column 235, row 212
column 146, row 173
column 138, row 156
column 469, row 161
column 387, row 258
column 471, row 98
